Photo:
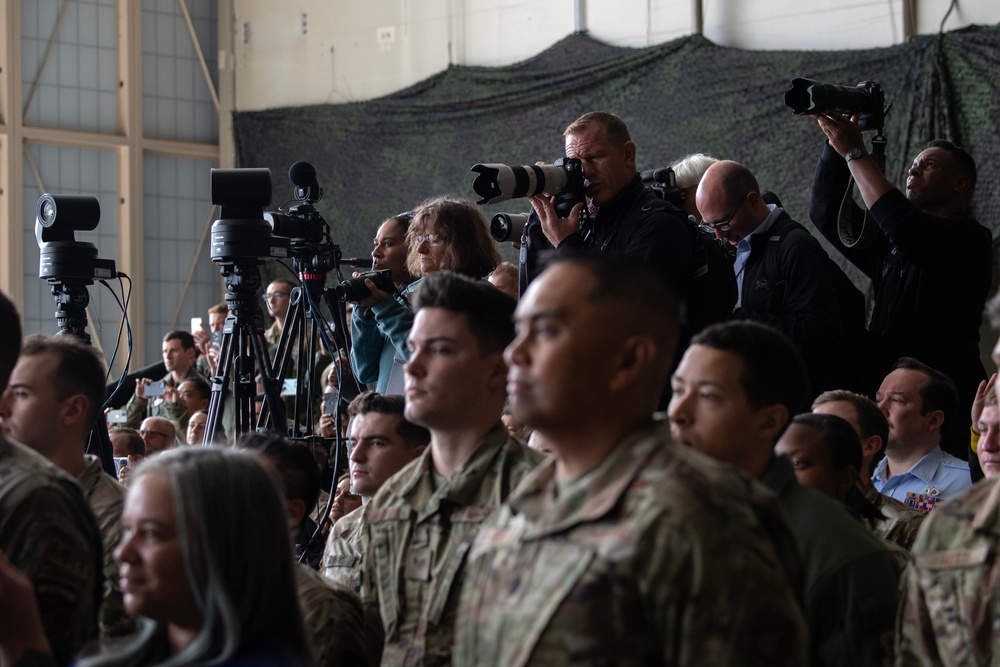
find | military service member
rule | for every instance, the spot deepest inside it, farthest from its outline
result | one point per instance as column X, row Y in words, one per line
column 331, row 613
column 949, row 612
column 56, row 393
column 899, row 523
column 623, row 548
column 422, row 521
column 734, row 392
column 46, row 528
column 179, row 354
column 381, row 442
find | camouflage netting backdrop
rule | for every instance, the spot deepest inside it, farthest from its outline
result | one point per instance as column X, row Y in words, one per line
column 380, row 157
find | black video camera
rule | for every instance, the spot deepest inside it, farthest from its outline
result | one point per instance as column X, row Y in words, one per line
column 867, row 100
column 61, row 256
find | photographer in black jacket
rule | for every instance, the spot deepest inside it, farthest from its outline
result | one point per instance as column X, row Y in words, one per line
column 628, row 218
column 929, row 261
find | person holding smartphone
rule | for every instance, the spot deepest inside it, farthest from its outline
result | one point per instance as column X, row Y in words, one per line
column 159, row 398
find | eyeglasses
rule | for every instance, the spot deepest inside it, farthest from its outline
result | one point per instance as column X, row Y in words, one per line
column 147, row 433
column 273, row 295
column 725, row 225
column 432, row 239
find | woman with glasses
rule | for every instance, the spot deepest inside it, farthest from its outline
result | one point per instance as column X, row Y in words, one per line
column 443, row 234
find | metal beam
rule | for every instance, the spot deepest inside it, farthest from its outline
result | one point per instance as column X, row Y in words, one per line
column 11, row 156
column 130, row 164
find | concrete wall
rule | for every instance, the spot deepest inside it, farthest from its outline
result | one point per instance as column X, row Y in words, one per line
column 300, row 52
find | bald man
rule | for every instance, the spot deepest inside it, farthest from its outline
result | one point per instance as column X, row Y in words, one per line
column 785, row 278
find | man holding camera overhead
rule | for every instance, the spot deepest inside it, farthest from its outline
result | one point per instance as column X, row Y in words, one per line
column 928, row 259
column 630, row 219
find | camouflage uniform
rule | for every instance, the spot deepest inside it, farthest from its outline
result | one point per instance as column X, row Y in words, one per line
column 345, row 548
column 901, row 522
column 332, row 618
column 107, row 499
column 420, row 528
column 949, row 616
column 48, row 531
column 851, row 579
column 659, row 556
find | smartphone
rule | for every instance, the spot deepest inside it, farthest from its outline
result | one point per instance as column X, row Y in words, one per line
column 196, row 324
column 117, row 417
column 215, row 337
column 288, row 387
column 154, row 388
column 330, row 403
column 120, row 462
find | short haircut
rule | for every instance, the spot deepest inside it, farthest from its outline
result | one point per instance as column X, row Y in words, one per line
column 616, row 128
column 963, row 160
column 200, row 384
column 505, row 267
column 488, row 311
column 871, row 420
column 469, row 248
column 134, row 444
column 633, row 292
column 773, row 370
column 219, row 309
column 10, row 339
column 938, row 394
column 690, row 168
column 79, row 369
column 295, row 464
column 390, row 404
column 185, row 337
column 837, row 435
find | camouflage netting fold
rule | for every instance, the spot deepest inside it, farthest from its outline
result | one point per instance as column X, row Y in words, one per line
column 383, row 156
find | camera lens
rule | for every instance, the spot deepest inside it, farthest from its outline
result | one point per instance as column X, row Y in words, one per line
column 48, row 211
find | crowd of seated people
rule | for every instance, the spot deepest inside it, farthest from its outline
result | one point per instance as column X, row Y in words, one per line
column 756, row 492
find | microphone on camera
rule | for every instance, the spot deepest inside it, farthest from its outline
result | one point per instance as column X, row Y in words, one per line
column 357, row 262
column 303, row 177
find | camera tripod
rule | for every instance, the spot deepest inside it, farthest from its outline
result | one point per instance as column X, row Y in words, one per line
column 243, row 351
column 72, row 298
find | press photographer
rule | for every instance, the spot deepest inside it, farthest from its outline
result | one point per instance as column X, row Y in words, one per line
column 928, row 258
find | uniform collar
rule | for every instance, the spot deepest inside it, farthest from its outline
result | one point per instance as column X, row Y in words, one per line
column 552, row 509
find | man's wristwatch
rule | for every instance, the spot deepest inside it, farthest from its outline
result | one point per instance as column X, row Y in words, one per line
column 855, row 154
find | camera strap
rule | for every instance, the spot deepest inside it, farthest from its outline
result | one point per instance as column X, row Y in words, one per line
column 845, row 220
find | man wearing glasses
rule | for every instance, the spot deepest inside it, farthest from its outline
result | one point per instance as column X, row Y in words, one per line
column 783, row 275
column 158, row 434
column 277, row 297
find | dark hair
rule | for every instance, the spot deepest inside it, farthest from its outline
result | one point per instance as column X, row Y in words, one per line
column 773, row 370
column 134, row 444
column 488, row 311
column 295, row 464
column 871, row 420
column 10, row 338
column 200, row 384
column 844, row 446
column 963, row 159
column 938, row 394
column 632, row 290
column 185, row 337
column 470, row 250
column 390, row 404
column 616, row 128
column 79, row 370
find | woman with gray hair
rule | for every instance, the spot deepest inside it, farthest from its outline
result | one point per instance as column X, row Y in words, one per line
column 205, row 563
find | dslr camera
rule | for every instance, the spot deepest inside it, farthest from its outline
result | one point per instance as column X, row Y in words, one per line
column 867, row 99
column 563, row 178
column 355, row 288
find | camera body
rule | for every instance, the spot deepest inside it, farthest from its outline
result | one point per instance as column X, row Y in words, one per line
column 563, row 179
column 61, row 256
column 356, row 290
column 867, row 99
